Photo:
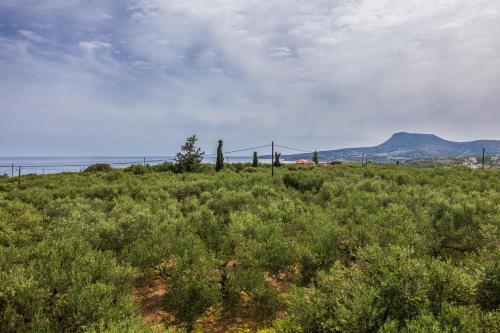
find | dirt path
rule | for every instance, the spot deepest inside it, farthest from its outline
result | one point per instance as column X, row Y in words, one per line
column 150, row 297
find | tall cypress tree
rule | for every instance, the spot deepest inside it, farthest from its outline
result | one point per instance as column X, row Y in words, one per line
column 255, row 162
column 219, row 163
column 315, row 157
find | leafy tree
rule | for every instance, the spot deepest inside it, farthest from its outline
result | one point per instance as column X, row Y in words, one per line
column 315, row 157
column 255, row 161
column 193, row 281
column 190, row 156
column 219, row 163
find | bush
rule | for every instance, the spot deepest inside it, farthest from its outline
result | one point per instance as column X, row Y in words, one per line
column 303, row 182
column 193, row 281
column 164, row 167
column 99, row 167
column 101, row 192
column 138, row 169
column 344, row 249
column 249, row 169
column 488, row 289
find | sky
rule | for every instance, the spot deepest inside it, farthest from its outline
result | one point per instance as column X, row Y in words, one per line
column 136, row 77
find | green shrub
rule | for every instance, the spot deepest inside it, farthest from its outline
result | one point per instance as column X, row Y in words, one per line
column 488, row 289
column 98, row 167
column 193, row 281
column 303, row 182
column 102, row 192
column 343, row 249
column 138, row 169
column 164, row 167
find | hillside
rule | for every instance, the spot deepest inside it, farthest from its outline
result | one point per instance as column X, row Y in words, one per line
column 406, row 147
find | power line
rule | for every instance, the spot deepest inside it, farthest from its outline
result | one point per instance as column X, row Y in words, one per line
column 59, row 167
column 246, row 149
column 35, row 166
column 239, row 150
column 84, row 163
column 164, row 160
column 51, row 166
column 297, row 149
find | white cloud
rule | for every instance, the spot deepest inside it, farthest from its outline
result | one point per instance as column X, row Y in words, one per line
column 90, row 46
column 314, row 73
column 31, row 36
column 399, row 57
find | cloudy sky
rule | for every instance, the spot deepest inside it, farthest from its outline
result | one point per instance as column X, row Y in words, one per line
column 126, row 77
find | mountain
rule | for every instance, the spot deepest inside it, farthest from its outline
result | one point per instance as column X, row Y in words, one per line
column 406, row 147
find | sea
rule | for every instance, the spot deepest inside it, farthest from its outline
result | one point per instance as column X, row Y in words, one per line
column 14, row 166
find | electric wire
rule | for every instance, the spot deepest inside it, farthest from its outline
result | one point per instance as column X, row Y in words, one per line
column 64, row 167
column 239, row 150
column 296, row 149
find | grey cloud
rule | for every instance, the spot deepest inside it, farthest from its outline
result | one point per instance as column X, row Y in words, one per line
column 31, row 35
column 311, row 73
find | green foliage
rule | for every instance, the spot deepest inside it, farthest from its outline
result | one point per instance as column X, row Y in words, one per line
column 192, row 279
column 164, row 167
column 315, row 157
column 138, row 169
column 255, row 160
column 56, row 291
column 303, row 182
column 325, row 249
column 99, row 167
column 190, row 156
column 219, row 163
column 488, row 291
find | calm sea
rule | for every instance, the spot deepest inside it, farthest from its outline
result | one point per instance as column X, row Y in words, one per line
column 45, row 165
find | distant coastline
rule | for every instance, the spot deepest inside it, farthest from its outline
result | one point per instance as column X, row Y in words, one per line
column 58, row 164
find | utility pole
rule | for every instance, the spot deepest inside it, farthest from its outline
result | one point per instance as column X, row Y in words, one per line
column 483, row 157
column 12, row 171
column 272, row 158
column 144, row 161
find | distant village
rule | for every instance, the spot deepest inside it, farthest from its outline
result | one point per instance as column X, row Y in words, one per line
column 475, row 163
column 312, row 162
column 472, row 162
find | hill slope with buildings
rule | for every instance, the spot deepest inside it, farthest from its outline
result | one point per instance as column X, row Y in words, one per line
column 407, row 147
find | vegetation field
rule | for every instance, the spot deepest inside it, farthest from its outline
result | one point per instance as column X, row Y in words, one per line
column 312, row 249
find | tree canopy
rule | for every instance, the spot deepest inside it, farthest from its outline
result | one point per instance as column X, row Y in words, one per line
column 340, row 248
column 219, row 163
column 255, row 160
column 190, row 156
